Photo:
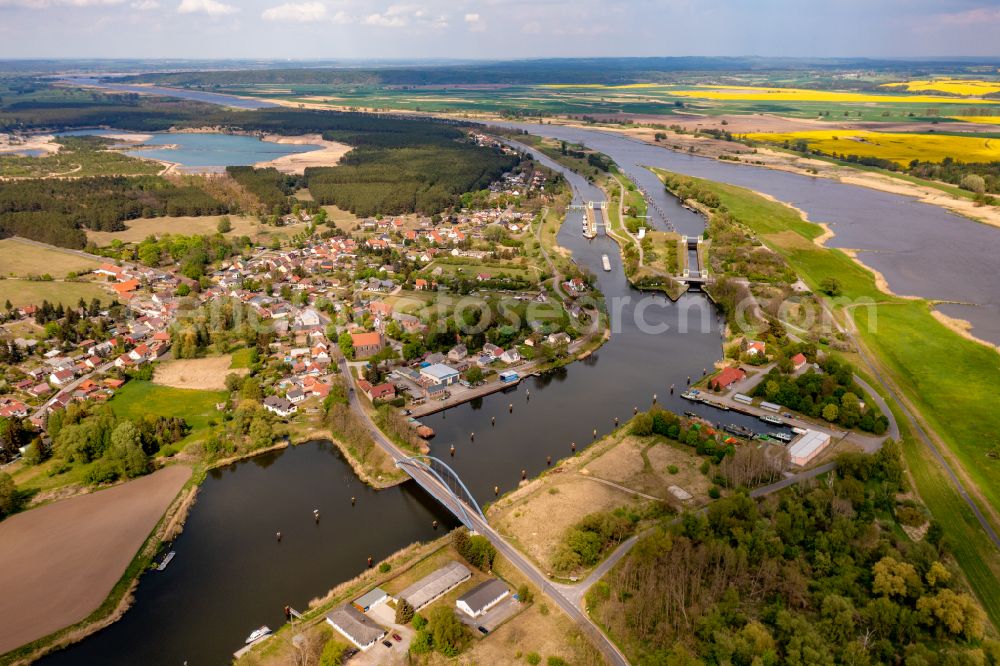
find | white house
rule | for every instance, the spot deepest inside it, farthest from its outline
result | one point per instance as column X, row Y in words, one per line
column 279, row 406
column 355, row 626
column 483, row 597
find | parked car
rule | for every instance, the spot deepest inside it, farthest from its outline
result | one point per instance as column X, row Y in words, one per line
column 387, row 644
column 397, row 637
column 483, row 630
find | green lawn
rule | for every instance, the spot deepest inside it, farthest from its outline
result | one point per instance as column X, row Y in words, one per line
column 138, row 398
column 241, row 358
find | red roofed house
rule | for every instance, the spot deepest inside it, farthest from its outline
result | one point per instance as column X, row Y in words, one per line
column 366, row 344
column 755, row 347
column 798, row 361
column 380, row 392
column 126, row 287
column 727, row 378
column 110, row 269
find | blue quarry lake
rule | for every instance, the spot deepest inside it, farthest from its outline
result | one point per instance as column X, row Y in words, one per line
column 201, row 152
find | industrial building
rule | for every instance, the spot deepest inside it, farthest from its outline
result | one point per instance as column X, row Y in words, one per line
column 435, row 585
column 807, row 447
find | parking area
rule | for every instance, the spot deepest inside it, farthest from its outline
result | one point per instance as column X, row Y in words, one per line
column 494, row 617
column 378, row 654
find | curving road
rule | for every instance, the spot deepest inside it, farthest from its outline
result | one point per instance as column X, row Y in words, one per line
column 568, row 603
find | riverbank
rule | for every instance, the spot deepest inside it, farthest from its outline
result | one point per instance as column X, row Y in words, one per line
column 942, row 374
column 68, row 568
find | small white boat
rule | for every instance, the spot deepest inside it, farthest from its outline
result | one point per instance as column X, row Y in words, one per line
column 606, row 262
column 165, row 561
column 258, row 634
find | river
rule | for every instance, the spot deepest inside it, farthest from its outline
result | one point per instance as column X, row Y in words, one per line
column 230, row 574
column 920, row 249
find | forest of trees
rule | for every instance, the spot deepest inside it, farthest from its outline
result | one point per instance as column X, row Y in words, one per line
column 271, row 187
column 111, row 447
column 427, row 178
column 400, row 165
column 57, row 211
column 832, row 395
column 222, row 324
column 816, row 575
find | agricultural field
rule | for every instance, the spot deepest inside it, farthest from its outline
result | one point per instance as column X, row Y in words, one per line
column 963, row 87
column 19, row 258
column 33, row 292
column 989, row 120
column 752, row 94
column 901, row 148
column 142, row 228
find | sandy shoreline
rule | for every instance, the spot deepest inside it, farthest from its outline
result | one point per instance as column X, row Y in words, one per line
column 962, row 327
column 329, row 154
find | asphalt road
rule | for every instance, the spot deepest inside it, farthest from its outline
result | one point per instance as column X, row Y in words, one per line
column 568, row 603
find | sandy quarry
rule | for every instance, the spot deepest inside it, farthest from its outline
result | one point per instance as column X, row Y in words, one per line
column 328, row 155
column 60, row 561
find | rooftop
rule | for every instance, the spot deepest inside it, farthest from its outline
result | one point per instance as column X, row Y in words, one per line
column 430, row 587
column 484, row 594
column 355, row 625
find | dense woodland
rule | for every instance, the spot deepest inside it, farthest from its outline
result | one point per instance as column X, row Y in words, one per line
column 819, row 574
column 400, row 165
column 58, row 211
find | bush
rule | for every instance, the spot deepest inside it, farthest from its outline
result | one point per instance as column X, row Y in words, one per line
column 333, row 653
column 101, row 471
column 419, row 621
column 524, row 594
column 673, row 469
column 714, row 492
column 533, row 658
column 384, row 567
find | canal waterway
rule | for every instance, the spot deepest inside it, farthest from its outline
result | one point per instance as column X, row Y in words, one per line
column 920, row 249
column 231, row 575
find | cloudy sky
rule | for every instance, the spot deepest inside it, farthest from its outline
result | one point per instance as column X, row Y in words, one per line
column 305, row 29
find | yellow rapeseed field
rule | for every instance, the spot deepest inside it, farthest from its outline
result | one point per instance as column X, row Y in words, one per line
column 752, row 94
column 899, row 147
column 990, row 120
column 970, row 87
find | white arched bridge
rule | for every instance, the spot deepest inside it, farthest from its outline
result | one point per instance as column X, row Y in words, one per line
column 449, row 488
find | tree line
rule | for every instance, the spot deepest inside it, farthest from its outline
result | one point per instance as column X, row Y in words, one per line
column 816, row 575
column 58, row 211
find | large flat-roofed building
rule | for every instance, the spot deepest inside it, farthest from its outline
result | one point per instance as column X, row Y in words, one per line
column 807, row 447
column 439, row 374
column 435, row 585
column 483, row 597
column 355, row 626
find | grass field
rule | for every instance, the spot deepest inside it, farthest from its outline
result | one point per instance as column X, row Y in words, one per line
column 968, row 87
column 19, row 259
column 29, row 292
column 901, row 148
column 138, row 398
column 142, row 228
column 240, row 358
column 947, row 377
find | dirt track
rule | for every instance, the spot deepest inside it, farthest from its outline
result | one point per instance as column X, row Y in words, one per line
column 59, row 562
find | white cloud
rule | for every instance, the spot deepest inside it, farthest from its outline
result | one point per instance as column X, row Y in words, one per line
column 342, row 18
column 302, row 12
column 145, row 5
column 45, row 4
column 475, row 22
column 399, row 16
column 210, row 7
